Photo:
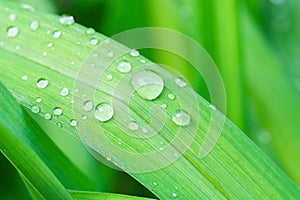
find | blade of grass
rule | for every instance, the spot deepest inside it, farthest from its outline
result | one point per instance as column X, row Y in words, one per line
column 235, row 168
column 13, row 122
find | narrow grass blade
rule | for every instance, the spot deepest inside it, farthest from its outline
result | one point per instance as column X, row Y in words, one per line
column 235, row 168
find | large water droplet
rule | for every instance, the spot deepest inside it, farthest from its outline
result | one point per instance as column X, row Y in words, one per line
column 180, row 82
column 147, row 84
column 35, row 109
column 57, row 111
column 64, row 92
column 124, row 67
column 104, row 112
column 42, row 83
column 181, row 118
column 88, row 105
column 133, row 126
column 66, row 20
column 12, row 31
column 34, row 25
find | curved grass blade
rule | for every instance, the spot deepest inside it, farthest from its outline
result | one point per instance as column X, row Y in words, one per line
column 235, row 168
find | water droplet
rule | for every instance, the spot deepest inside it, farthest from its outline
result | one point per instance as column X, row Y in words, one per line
column 34, row 25
column 42, row 83
column 64, row 92
column 174, row 195
column 88, row 105
column 25, row 78
column 56, row 34
column 38, row 100
column 124, row 67
column 164, row 106
column 161, row 148
column 147, row 84
column 109, row 77
column 212, row 107
column 144, row 130
column 134, row 53
column 1, row 43
column 171, row 96
column 12, row 31
column 133, row 126
column 47, row 116
column 104, row 112
column 143, row 61
column 66, row 20
column 44, row 53
column 50, row 44
column 108, row 158
column 35, row 109
column 72, row 62
column 18, row 47
column 57, row 111
column 84, row 117
column 73, row 122
column 28, row 7
column 59, row 124
column 181, row 118
column 110, row 54
column 90, row 31
column 154, row 183
column 12, row 17
column 180, row 82
column 94, row 41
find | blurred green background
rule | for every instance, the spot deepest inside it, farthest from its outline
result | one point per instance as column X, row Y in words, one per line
column 255, row 44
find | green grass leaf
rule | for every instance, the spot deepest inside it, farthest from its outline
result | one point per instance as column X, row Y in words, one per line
column 234, row 169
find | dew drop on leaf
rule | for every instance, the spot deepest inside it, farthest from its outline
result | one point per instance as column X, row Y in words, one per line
column 12, row 31
column 25, row 78
column 134, row 53
column 94, row 41
column 133, row 126
column 124, row 67
column 73, row 123
column 171, row 96
column 42, row 83
column 174, row 195
column 147, row 84
column 28, row 7
column 104, row 112
column 88, row 105
column 90, row 31
column 66, row 20
column 64, row 92
column 56, row 34
column 180, row 82
column 34, row 25
column 57, row 111
column 47, row 116
column 38, row 100
column 181, row 118
column 35, row 109
column 12, row 17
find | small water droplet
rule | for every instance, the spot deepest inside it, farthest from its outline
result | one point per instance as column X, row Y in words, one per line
column 171, row 96
column 50, row 44
column 73, row 123
column 143, row 61
column 38, row 100
column 12, row 17
column 174, row 195
column 95, row 55
column 72, row 62
column 1, row 44
column 147, row 84
column 18, row 47
column 88, row 105
column 90, row 31
column 212, row 107
column 104, row 112
column 94, row 41
column 64, row 92
column 144, row 130
column 154, row 183
column 164, row 106
column 57, row 111
column 56, row 34
column 35, row 109
column 44, row 53
column 108, row 158
column 84, row 117
column 42, row 83
column 28, row 7
column 180, row 82
column 25, row 78
column 181, row 118
column 109, row 77
column 12, row 31
column 134, row 53
column 124, row 67
column 47, row 116
column 133, row 126
column 66, row 20
column 34, row 25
